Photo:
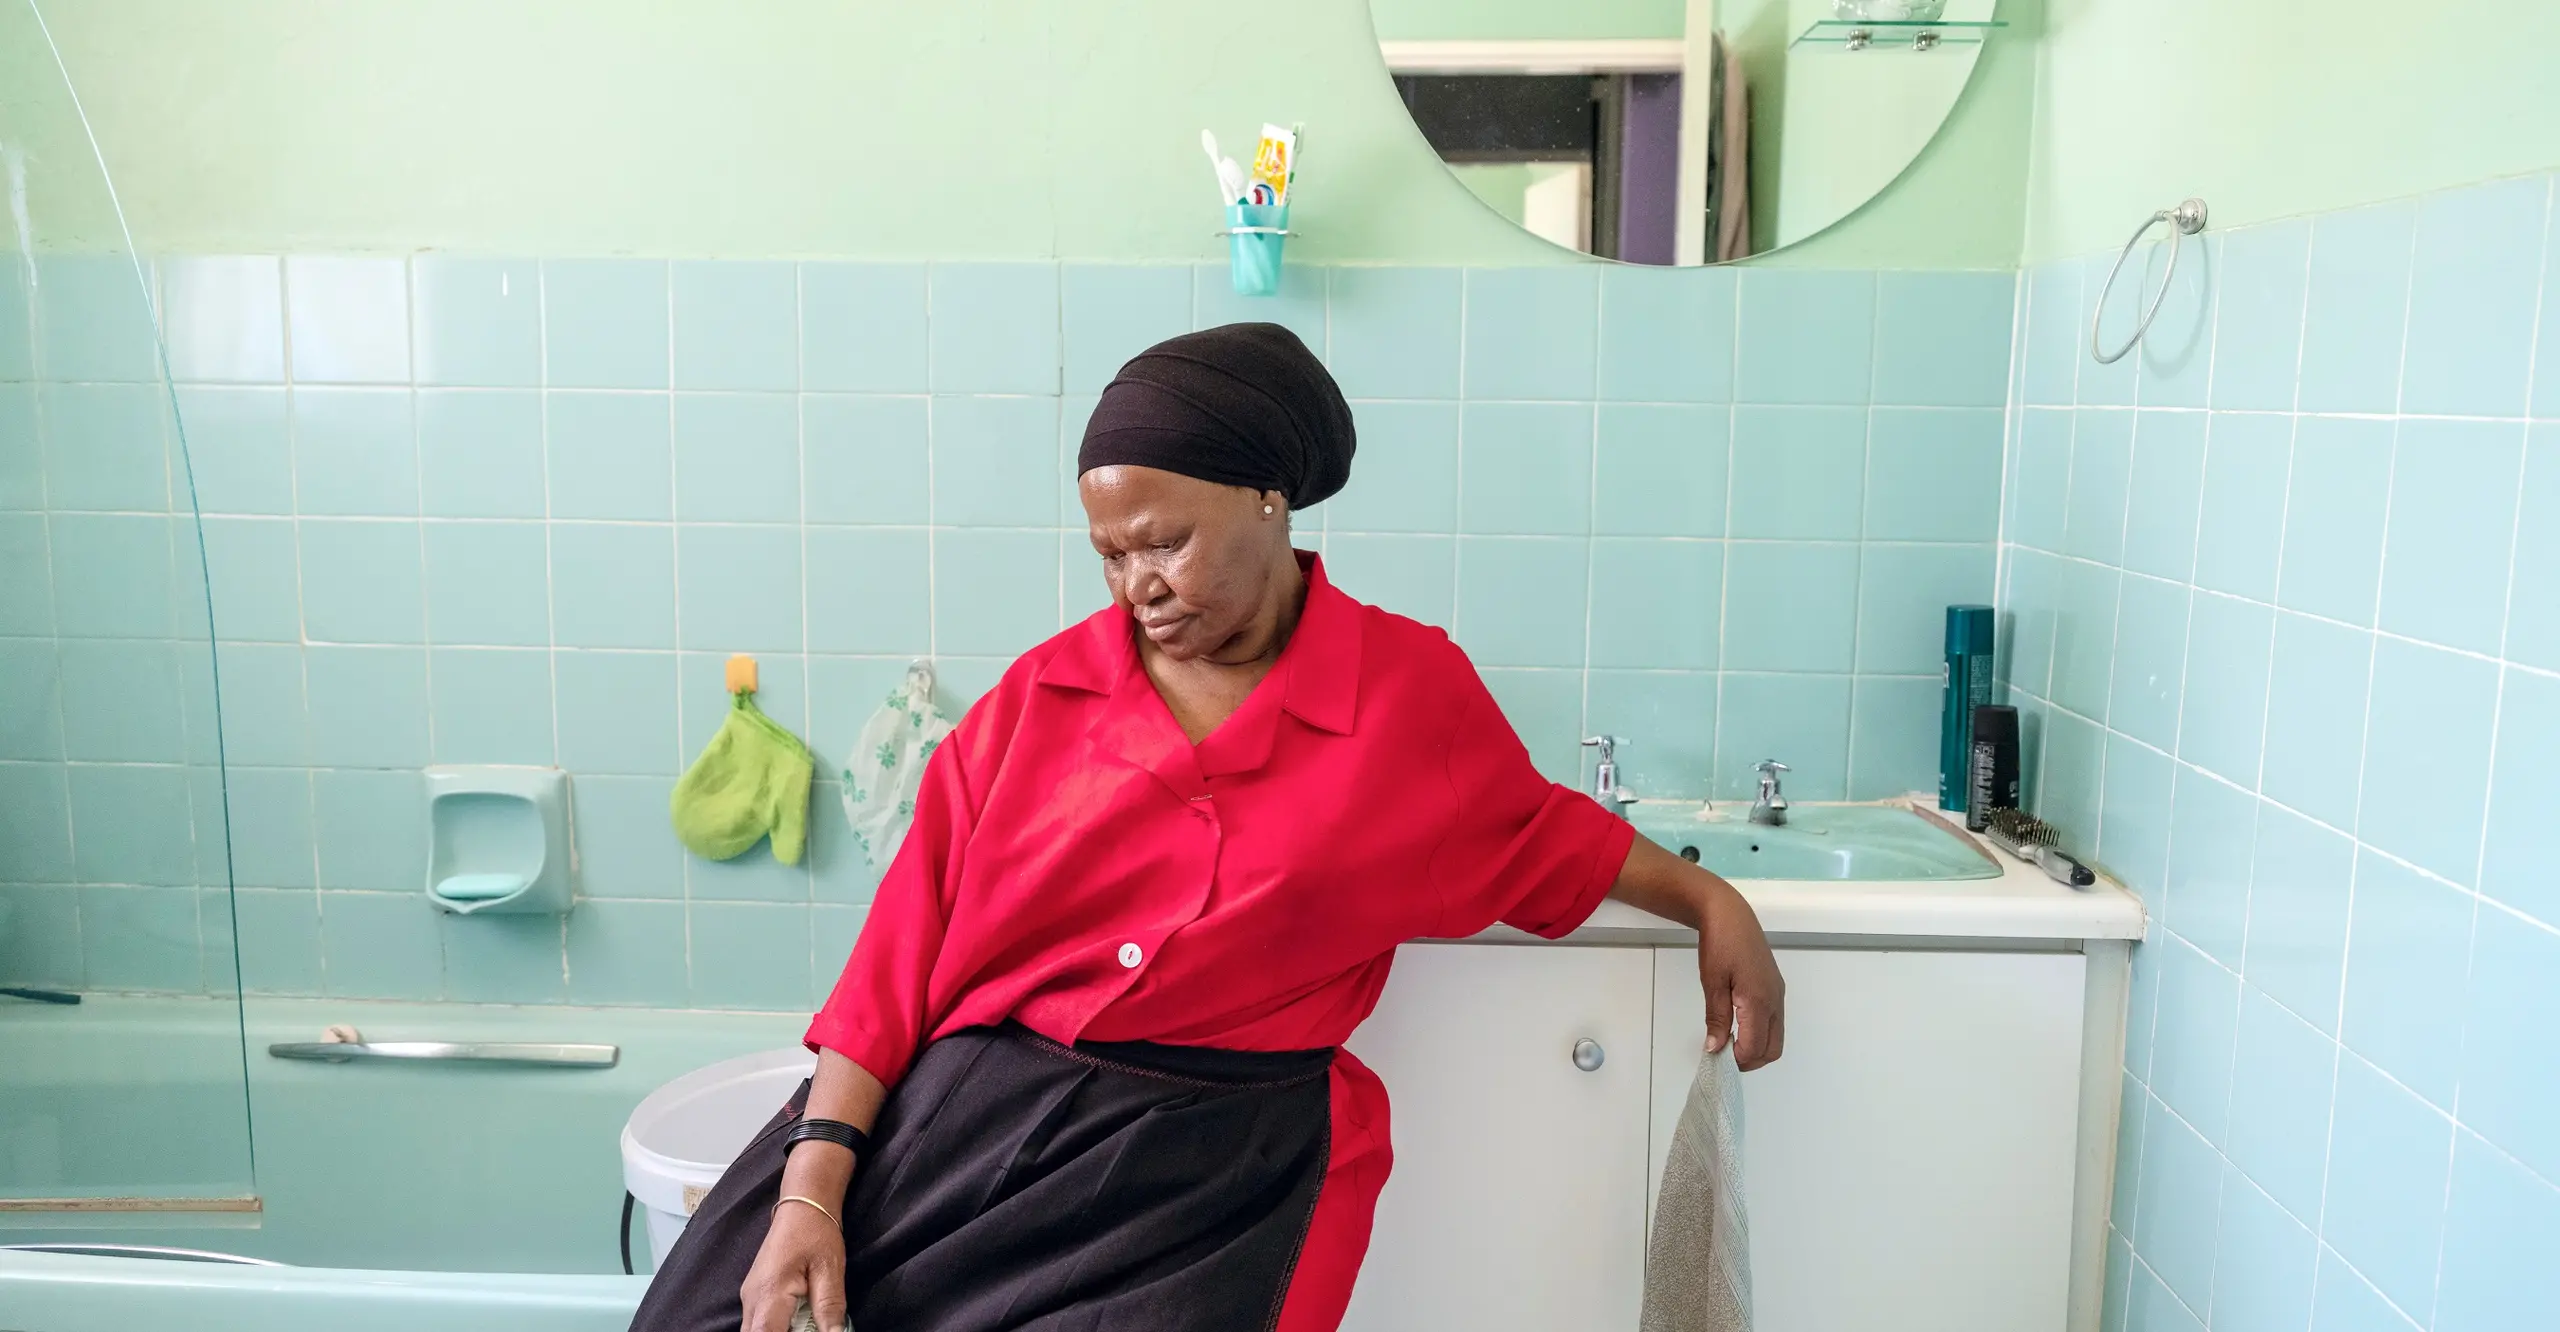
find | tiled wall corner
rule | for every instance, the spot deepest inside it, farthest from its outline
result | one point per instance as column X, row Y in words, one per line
column 2278, row 592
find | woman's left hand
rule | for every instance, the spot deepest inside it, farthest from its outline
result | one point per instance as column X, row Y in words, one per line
column 1746, row 997
column 1745, row 994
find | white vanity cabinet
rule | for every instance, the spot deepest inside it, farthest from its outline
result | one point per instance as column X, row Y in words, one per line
column 1518, row 1196
column 1908, row 1164
column 1912, row 1163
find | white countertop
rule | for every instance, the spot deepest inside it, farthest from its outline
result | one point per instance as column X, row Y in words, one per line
column 2022, row 905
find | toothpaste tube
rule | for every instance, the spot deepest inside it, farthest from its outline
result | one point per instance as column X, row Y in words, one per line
column 1275, row 160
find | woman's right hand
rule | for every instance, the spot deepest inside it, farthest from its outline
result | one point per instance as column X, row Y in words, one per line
column 802, row 1259
column 803, row 1253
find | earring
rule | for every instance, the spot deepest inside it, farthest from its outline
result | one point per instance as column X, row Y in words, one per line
column 1266, row 510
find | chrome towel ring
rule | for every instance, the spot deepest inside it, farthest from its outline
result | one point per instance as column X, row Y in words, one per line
column 2184, row 220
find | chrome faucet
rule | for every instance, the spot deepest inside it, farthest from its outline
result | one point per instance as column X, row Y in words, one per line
column 1770, row 810
column 1604, row 783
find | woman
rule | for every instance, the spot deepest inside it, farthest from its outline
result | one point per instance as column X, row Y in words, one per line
column 1082, row 1069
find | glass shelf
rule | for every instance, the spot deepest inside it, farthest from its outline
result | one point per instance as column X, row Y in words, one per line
column 1895, row 34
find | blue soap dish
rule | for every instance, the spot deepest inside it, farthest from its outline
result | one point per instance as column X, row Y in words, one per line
column 499, row 840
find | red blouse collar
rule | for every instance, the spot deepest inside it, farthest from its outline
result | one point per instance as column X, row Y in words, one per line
column 1321, row 661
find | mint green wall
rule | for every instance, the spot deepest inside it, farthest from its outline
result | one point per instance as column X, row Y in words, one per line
column 1518, row 20
column 41, row 146
column 2276, row 110
column 823, row 128
column 1962, row 200
column 1842, row 125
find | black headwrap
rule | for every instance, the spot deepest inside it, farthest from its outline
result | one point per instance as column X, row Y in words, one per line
column 1241, row 405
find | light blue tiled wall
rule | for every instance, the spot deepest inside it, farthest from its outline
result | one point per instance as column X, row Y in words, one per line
column 518, row 511
column 2285, row 616
column 112, row 849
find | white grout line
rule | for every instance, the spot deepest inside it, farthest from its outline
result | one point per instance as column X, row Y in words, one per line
column 2210, row 296
column 40, row 404
column 2248, row 905
column 2312, row 819
column 1724, row 539
column 2364, row 746
column 1858, row 560
column 302, row 623
column 2315, row 617
column 675, row 597
column 1458, row 481
column 540, row 295
column 1590, row 539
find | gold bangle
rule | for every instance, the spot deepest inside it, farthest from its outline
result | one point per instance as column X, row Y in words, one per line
column 822, row 1207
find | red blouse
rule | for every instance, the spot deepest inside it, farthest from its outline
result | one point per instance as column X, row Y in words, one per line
column 1078, row 865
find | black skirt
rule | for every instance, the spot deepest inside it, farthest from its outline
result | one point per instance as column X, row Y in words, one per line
column 1018, row 1185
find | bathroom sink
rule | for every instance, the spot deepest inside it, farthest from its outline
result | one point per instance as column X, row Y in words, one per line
column 1824, row 842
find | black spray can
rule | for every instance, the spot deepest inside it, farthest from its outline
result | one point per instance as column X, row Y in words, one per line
column 1993, row 783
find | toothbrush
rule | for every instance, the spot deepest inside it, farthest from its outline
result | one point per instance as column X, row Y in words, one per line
column 1230, row 176
column 1217, row 165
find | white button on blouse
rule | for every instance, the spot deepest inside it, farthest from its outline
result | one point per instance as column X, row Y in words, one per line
column 1131, row 955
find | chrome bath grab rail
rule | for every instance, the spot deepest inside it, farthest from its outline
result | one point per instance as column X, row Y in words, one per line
column 523, row 1054
column 143, row 1251
column 2184, row 220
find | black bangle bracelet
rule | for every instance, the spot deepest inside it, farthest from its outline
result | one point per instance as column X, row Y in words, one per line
column 841, row 1134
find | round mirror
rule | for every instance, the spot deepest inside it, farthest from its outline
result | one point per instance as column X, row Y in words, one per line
column 1679, row 131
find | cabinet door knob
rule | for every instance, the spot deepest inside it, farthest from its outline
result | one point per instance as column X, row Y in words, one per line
column 1588, row 1056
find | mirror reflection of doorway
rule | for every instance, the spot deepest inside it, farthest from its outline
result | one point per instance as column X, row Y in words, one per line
column 1591, row 145
column 1588, row 161
column 1680, row 131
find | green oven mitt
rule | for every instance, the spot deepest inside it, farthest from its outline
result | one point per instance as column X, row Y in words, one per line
column 752, row 780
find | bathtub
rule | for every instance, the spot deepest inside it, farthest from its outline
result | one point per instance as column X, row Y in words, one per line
column 43, row 1292
column 411, row 1168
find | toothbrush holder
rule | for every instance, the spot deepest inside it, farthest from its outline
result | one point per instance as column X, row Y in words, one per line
column 1255, row 233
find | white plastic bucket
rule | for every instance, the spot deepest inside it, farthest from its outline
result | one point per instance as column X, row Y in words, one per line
column 684, row 1135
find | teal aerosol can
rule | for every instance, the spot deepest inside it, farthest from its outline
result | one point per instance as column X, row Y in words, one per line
column 1970, row 634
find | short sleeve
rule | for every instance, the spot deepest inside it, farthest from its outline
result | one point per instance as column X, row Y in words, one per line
column 1520, row 850
column 886, row 1001
column 880, row 1012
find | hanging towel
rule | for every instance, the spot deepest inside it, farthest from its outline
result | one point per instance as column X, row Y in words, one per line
column 887, row 765
column 751, row 781
column 1697, row 1270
